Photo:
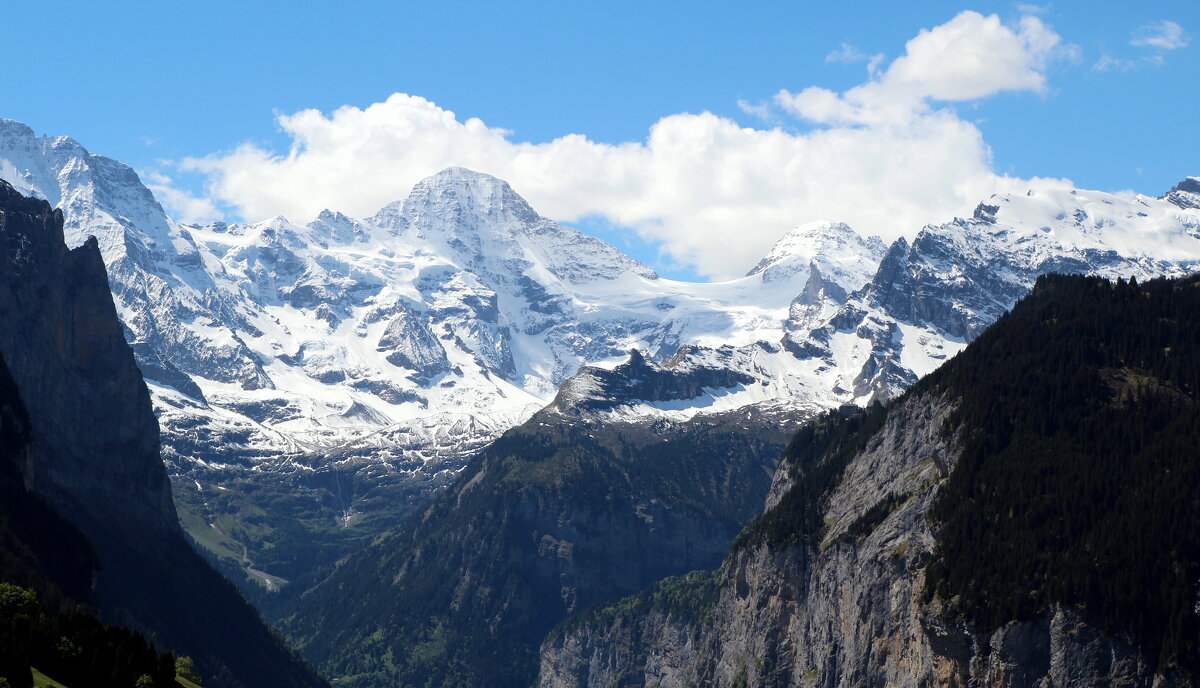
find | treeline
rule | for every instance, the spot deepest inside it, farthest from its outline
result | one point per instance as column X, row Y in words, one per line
column 46, row 576
column 75, row 649
column 815, row 460
column 1079, row 480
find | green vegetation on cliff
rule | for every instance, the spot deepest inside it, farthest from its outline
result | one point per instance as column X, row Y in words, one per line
column 1079, row 480
column 1078, row 415
column 815, row 460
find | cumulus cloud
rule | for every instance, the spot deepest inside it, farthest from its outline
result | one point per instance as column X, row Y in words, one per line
column 1161, row 35
column 886, row 157
column 968, row 58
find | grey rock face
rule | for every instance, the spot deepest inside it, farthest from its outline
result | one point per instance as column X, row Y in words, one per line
column 639, row 380
column 1185, row 194
column 412, row 345
column 96, row 438
column 849, row 612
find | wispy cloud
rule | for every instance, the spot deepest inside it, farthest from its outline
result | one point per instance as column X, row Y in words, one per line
column 846, row 54
column 1161, row 35
column 760, row 110
column 849, row 54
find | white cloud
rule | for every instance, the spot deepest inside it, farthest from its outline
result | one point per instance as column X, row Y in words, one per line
column 1159, row 37
column 182, row 205
column 760, row 110
column 968, row 58
column 716, row 194
column 1162, row 35
column 1108, row 63
column 849, row 54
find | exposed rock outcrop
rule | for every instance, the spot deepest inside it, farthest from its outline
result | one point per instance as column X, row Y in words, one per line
column 95, row 435
column 849, row 611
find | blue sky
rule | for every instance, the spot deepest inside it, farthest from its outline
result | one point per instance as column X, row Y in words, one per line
column 155, row 83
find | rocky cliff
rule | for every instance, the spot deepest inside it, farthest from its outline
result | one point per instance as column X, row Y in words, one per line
column 560, row 513
column 89, row 448
column 1009, row 522
column 95, row 451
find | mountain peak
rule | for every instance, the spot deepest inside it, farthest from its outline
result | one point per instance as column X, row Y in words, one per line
column 459, row 174
column 13, row 127
column 459, row 191
column 471, row 190
column 833, row 248
column 1185, row 194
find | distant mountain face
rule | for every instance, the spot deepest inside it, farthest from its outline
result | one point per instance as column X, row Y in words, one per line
column 376, row 355
column 458, row 301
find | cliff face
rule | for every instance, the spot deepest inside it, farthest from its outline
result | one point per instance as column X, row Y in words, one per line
column 852, row 592
column 80, row 446
column 95, row 438
column 849, row 611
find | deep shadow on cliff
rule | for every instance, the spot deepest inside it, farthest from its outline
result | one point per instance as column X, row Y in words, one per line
column 88, row 460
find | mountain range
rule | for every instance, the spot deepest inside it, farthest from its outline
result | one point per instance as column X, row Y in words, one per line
column 366, row 359
column 422, row 439
column 361, row 362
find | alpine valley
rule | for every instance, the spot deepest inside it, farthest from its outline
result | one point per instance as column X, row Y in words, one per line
column 422, row 440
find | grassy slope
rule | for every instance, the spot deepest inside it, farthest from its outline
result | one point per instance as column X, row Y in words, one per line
column 41, row 680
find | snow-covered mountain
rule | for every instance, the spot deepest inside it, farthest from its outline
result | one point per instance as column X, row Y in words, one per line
column 398, row 344
column 407, row 339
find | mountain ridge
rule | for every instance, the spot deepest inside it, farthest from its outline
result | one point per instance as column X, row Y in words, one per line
column 376, row 356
